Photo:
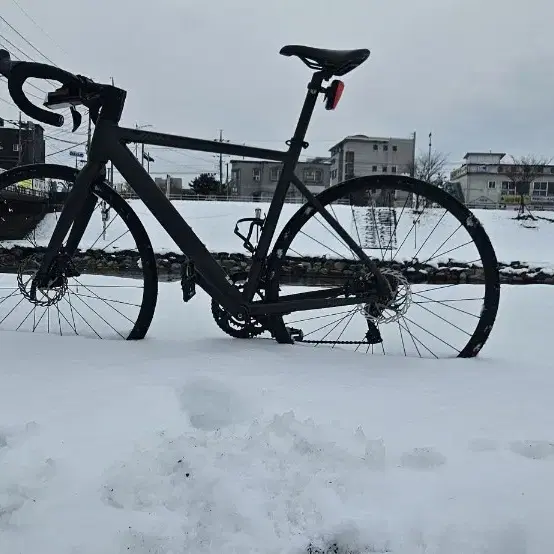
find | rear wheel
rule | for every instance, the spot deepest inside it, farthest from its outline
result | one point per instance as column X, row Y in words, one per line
column 106, row 289
column 434, row 253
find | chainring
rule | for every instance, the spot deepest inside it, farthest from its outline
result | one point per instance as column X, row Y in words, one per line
column 239, row 328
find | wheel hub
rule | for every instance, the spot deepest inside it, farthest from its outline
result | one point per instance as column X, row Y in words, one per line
column 392, row 307
column 49, row 289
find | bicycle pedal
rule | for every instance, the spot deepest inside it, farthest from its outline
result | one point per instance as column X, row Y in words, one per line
column 295, row 334
column 188, row 283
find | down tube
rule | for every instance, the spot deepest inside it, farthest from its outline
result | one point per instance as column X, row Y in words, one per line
column 175, row 226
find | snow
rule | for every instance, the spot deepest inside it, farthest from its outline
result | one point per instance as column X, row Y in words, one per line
column 511, row 240
column 190, row 441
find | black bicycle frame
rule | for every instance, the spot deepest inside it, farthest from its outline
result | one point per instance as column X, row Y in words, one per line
column 109, row 142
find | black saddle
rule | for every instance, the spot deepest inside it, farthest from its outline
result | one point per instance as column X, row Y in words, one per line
column 334, row 62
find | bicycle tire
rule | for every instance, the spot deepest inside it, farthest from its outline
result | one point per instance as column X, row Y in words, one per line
column 135, row 227
column 410, row 185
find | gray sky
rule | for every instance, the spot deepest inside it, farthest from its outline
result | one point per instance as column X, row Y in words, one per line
column 479, row 74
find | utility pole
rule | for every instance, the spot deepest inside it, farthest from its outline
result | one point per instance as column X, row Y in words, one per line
column 220, row 139
column 20, row 143
column 413, row 168
column 227, row 180
column 88, row 134
column 429, row 159
column 221, row 158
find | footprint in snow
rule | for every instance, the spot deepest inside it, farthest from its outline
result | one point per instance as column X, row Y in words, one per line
column 211, row 405
column 535, row 450
column 422, row 458
column 483, row 445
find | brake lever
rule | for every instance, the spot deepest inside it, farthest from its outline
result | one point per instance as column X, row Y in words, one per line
column 76, row 117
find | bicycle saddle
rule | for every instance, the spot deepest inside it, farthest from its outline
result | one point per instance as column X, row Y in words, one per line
column 335, row 62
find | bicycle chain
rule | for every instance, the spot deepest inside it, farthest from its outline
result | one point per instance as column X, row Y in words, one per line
column 320, row 341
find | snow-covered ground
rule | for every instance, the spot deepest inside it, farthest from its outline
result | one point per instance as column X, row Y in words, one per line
column 214, row 223
column 190, row 441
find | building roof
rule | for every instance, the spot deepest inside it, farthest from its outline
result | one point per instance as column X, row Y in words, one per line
column 501, row 154
column 365, row 138
column 312, row 161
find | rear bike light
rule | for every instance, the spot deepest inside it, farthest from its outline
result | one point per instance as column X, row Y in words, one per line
column 333, row 94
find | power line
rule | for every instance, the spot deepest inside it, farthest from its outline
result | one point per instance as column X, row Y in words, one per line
column 28, row 42
column 65, row 149
column 34, row 21
column 60, row 140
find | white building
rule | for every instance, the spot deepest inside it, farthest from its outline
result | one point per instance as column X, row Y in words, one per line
column 483, row 180
column 359, row 155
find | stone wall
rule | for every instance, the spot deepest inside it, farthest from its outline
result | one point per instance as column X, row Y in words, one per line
column 316, row 270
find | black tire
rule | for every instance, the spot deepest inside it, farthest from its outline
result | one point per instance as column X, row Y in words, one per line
column 353, row 187
column 104, row 192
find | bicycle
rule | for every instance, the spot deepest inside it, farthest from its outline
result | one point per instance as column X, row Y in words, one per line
column 248, row 302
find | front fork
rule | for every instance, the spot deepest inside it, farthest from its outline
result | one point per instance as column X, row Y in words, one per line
column 75, row 215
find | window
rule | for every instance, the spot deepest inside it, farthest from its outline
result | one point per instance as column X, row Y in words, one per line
column 492, row 184
column 275, row 173
column 235, row 175
column 348, row 171
column 374, row 168
column 394, row 148
column 375, row 147
column 384, row 169
column 393, row 169
column 334, row 174
column 385, row 147
column 16, row 147
column 349, row 158
column 508, row 187
column 256, row 174
column 540, row 189
column 552, row 170
column 313, row 175
column 499, row 169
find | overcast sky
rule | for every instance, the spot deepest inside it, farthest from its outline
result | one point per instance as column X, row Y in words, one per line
column 479, row 74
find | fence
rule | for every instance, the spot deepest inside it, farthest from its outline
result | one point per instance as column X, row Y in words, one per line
column 200, row 198
column 28, row 191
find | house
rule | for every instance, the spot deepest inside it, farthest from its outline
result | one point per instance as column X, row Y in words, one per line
column 20, row 146
column 257, row 180
column 484, row 182
column 360, row 155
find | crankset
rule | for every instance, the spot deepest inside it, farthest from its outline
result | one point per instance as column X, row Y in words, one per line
column 244, row 327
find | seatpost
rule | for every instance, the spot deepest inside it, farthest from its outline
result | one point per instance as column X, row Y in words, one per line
column 314, row 88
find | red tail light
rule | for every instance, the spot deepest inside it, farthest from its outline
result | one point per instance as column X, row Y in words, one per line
column 333, row 94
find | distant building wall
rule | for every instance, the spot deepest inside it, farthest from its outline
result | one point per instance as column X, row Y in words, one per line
column 258, row 179
column 30, row 140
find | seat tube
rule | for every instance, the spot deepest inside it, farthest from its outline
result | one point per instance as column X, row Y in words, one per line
column 295, row 148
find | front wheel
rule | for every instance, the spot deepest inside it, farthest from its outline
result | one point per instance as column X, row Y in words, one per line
column 106, row 288
column 433, row 252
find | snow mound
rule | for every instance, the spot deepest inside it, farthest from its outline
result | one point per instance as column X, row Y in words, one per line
column 286, row 486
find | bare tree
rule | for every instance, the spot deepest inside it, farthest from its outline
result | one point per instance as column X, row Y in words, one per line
column 429, row 168
column 522, row 172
